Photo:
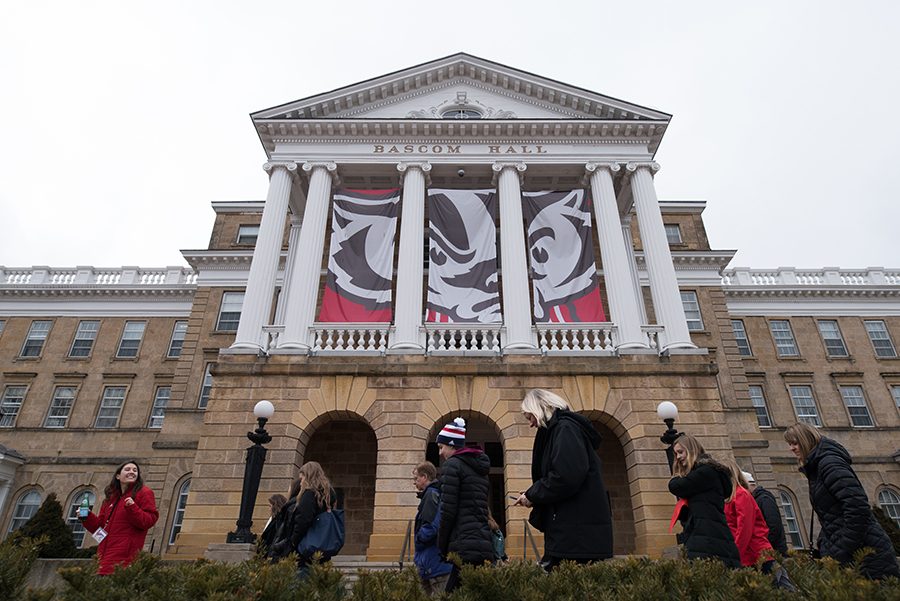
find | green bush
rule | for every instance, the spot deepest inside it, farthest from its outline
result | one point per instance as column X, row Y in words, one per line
column 16, row 559
column 47, row 523
column 889, row 525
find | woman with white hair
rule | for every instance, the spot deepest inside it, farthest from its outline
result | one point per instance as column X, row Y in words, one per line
column 568, row 499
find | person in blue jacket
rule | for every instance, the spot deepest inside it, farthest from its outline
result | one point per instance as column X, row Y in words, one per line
column 432, row 570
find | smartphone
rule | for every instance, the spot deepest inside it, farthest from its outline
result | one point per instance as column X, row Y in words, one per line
column 513, row 497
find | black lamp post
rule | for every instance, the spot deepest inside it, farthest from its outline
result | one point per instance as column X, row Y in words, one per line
column 256, row 457
column 667, row 411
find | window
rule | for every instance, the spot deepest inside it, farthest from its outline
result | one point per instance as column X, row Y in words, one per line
column 180, row 504
column 461, row 113
column 881, row 339
column 131, row 339
column 10, row 405
column 895, row 392
column 2, row 326
column 163, row 394
column 740, row 336
column 206, row 388
column 759, row 404
column 856, row 406
column 791, row 520
column 84, row 338
column 805, row 405
column 60, row 407
column 831, row 336
column 230, row 313
column 673, row 233
column 784, row 338
column 890, row 504
column 72, row 520
column 34, row 341
column 247, row 234
column 177, row 341
column 692, row 311
column 25, row 508
column 110, row 407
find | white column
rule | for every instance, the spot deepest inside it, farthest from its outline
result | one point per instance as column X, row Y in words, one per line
column 514, row 269
column 619, row 286
column 663, row 283
column 408, row 305
column 264, row 266
column 307, row 265
column 632, row 267
column 293, row 240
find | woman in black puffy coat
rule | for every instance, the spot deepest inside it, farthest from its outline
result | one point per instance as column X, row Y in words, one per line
column 840, row 502
column 568, row 498
column 703, row 484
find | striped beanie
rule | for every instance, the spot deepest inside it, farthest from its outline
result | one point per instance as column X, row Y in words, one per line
column 453, row 434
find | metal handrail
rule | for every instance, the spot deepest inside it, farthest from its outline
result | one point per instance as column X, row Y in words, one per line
column 530, row 538
column 406, row 551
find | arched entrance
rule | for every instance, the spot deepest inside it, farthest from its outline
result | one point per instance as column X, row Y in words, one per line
column 615, row 477
column 481, row 432
column 348, row 452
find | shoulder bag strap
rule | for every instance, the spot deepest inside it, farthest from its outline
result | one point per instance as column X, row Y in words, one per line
column 812, row 540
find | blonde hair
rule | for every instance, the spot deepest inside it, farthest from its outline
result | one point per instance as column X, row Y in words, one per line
column 541, row 404
column 804, row 436
column 693, row 450
column 737, row 478
column 314, row 479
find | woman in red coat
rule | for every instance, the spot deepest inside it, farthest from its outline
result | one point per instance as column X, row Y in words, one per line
column 127, row 513
column 751, row 533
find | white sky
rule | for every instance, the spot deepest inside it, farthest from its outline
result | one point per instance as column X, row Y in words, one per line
column 120, row 122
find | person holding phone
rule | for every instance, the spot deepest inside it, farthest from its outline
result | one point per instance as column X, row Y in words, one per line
column 568, row 498
column 127, row 513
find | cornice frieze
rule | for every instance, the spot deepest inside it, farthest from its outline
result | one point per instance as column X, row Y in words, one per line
column 186, row 290
column 809, row 292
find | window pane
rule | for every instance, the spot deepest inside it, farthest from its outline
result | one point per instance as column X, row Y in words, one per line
column 247, row 234
column 881, row 339
column 784, row 338
column 34, row 341
column 10, row 405
column 163, row 394
column 230, row 313
column 890, row 503
column 60, row 407
column 25, row 508
column 110, row 407
column 72, row 520
column 791, row 521
column 740, row 336
column 179, row 511
column 895, row 392
column 805, row 405
column 759, row 404
column 692, row 311
column 84, row 338
column 856, row 406
column 673, row 233
column 178, row 334
column 2, row 326
column 205, row 389
column 831, row 336
column 131, row 339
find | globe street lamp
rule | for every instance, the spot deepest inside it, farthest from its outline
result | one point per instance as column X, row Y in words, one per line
column 256, row 457
column 667, row 411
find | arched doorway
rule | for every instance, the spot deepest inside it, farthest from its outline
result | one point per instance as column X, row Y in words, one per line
column 348, row 452
column 615, row 477
column 483, row 433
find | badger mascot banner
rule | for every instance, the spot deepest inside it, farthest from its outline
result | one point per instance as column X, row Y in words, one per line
column 561, row 251
column 462, row 257
column 358, row 282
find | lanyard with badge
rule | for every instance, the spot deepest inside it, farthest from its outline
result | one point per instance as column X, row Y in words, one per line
column 100, row 533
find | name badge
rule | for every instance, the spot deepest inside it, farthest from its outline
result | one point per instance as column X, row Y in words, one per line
column 99, row 534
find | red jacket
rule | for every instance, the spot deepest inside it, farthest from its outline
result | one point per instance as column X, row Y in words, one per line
column 748, row 526
column 126, row 528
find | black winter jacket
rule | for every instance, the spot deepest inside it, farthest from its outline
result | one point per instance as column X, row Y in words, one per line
column 706, row 532
column 845, row 519
column 464, row 527
column 571, row 506
column 301, row 517
column 769, row 507
column 280, row 547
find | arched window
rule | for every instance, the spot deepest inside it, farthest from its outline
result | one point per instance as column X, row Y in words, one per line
column 26, row 506
column 890, row 503
column 72, row 520
column 791, row 519
column 180, row 504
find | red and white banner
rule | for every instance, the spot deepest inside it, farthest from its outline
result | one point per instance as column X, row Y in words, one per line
column 360, row 261
column 561, row 251
column 462, row 257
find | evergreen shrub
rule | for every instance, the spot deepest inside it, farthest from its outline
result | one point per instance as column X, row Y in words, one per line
column 16, row 559
column 889, row 525
column 48, row 524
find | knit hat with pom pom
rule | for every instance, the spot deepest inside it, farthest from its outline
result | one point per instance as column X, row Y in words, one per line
column 453, row 434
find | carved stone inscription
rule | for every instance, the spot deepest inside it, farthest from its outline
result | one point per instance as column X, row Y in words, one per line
column 458, row 149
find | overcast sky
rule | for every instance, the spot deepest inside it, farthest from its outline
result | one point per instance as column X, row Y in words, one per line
column 120, row 122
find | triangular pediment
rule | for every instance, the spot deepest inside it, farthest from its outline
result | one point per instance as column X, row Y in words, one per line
column 461, row 86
